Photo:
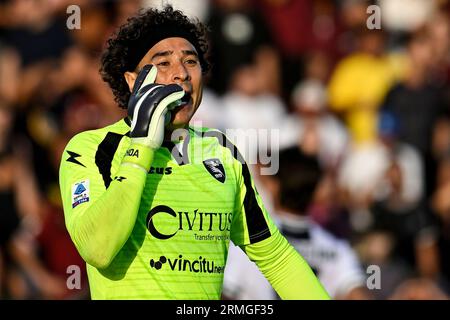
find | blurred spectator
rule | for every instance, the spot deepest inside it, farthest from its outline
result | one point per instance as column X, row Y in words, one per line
column 375, row 248
column 407, row 223
column 286, row 18
column 418, row 101
column 441, row 207
column 20, row 214
column 122, row 10
column 360, row 82
column 418, row 289
column 333, row 260
column 237, row 35
column 439, row 29
column 406, row 15
column 35, row 245
column 318, row 132
column 318, row 66
column 9, row 215
column 38, row 265
column 315, row 129
column 328, row 210
column 393, row 219
column 9, row 74
column 387, row 174
column 252, row 116
column 34, row 32
column 55, row 248
column 404, row 180
column 363, row 167
column 299, row 27
column 290, row 23
column 95, row 25
column 441, row 138
column 352, row 16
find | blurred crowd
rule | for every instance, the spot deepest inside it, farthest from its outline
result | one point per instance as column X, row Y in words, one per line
column 366, row 112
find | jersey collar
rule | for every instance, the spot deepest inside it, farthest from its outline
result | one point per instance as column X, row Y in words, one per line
column 181, row 158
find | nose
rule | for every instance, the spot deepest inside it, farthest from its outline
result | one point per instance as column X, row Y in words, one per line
column 180, row 73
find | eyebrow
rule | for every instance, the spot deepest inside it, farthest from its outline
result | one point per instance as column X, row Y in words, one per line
column 169, row 52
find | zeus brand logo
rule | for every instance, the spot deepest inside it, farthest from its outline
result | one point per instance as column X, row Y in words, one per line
column 165, row 171
column 133, row 153
column 198, row 221
column 200, row 265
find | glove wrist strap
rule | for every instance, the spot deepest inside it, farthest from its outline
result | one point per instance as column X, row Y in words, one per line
column 140, row 155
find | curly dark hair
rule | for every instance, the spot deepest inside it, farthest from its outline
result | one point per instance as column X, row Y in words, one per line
column 131, row 42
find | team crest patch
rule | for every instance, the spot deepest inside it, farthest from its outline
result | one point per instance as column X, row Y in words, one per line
column 215, row 168
column 80, row 192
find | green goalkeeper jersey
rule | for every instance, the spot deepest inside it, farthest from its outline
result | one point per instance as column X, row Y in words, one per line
column 180, row 215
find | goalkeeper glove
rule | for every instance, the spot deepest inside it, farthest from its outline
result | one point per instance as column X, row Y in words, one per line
column 149, row 110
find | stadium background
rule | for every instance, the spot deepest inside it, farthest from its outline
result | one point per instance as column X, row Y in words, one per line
column 371, row 105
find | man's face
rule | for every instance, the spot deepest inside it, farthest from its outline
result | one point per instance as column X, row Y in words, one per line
column 177, row 62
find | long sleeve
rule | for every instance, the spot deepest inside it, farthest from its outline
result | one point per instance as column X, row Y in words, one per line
column 99, row 218
column 287, row 271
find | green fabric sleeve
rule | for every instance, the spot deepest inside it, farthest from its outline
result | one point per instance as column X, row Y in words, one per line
column 100, row 227
column 287, row 271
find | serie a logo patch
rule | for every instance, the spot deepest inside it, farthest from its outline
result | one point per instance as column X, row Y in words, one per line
column 80, row 192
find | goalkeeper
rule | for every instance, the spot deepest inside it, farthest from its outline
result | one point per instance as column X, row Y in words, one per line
column 151, row 217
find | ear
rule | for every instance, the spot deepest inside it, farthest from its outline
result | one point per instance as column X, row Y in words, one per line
column 130, row 78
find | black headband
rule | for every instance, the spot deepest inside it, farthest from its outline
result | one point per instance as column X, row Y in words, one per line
column 138, row 50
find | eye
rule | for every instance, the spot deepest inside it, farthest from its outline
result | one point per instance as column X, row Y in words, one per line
column 191, row 61
column 163, row 63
